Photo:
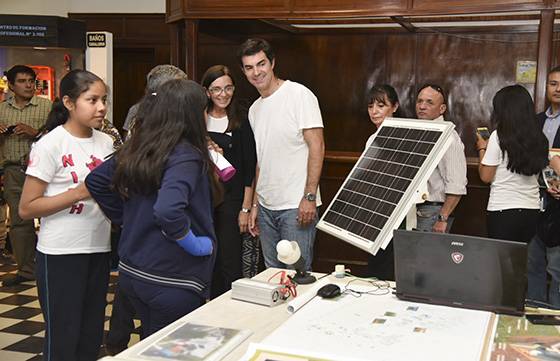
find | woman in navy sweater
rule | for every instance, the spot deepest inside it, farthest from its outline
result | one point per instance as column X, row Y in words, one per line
column 157, row 187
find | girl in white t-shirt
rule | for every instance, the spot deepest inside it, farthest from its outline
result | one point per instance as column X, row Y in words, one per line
column 73, row 243
column 510, row 161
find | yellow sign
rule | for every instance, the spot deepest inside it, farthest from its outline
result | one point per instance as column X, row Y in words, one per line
column 526, row 72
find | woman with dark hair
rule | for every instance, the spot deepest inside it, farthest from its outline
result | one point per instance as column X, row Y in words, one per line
column 228, row 126
column 510, row 160
column 73, row 244
column 157, row 187
column 382, row 102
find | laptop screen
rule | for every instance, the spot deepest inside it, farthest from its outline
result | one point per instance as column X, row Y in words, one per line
column 462, row 271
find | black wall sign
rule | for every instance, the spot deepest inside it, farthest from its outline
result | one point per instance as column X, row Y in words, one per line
column 43, row 31
column 96, row 40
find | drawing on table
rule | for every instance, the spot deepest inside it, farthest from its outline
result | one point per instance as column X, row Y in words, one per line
column 192, row 342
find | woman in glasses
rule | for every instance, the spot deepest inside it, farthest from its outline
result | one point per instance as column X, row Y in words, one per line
column 228, row 126
column 382, row 102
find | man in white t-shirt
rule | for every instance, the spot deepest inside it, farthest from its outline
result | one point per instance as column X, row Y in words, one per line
column 448, row 182
column 288, row 128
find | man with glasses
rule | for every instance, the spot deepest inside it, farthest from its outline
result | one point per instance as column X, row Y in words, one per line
column 543, row 259
column 288, row 128
column 448, row 182
column 21, row 116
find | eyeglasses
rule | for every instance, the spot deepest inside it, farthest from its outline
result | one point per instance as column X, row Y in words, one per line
column 216, row 90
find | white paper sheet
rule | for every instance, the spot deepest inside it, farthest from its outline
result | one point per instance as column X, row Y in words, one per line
column 385, row 329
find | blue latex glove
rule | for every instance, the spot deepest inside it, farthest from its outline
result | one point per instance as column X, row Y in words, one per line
column 196, row 246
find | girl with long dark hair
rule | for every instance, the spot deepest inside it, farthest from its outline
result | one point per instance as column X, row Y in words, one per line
column 73, row 243
column 157, row 187
column 228, row 126
column 510, row 160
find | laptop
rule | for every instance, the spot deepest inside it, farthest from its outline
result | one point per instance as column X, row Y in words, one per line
column 461, row 271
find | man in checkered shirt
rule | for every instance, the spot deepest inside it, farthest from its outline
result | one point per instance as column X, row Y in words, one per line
column 21, row 117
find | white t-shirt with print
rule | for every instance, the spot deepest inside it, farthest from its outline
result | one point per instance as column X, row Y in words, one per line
column 508, row 190
column 278, row 122
column 63, row 161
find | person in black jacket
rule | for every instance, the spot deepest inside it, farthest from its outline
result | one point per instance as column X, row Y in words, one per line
column 157, row 186
column 543, row 259
column 228, row 126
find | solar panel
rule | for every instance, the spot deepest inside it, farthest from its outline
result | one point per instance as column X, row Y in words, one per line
column 385, row 182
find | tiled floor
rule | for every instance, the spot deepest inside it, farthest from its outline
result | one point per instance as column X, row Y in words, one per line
column 21, row 322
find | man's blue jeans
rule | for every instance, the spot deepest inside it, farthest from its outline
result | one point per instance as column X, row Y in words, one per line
column 543, row 260
column 278, row 225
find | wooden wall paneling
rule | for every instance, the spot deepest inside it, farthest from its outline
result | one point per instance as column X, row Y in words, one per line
column 177, row 44
column 452, row 6
column 544, row 58
column 339, row 70
column 228, row 9
column 130, row 66
column 317, row 6
column 174, row 10
column 471, row 71
column 401, row 70
column 191, row 48
column 328, row 9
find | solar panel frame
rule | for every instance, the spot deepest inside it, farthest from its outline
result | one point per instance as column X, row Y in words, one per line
column 356, row 202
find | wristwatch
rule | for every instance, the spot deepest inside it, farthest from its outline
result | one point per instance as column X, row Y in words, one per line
column 442, row 218
column 310, row 197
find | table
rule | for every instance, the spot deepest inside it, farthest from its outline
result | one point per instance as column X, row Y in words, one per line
column 260, row 320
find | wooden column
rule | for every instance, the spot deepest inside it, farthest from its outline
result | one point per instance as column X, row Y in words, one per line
column 546, row 30
column 191, row 48
column 177, row 39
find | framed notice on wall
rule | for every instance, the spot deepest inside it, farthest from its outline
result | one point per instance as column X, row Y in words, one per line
column 526, row 72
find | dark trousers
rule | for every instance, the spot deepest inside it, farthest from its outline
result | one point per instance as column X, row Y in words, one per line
column 517, row 224
column 158, row 306
column 121, row 323
column 382, row 265
column 228, row 258
column 22, row 232
column 72, row 293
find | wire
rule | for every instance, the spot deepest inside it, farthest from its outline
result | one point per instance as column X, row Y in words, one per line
column 379, row 288
column 289, row 288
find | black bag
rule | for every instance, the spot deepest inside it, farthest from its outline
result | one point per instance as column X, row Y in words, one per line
column 548, row 226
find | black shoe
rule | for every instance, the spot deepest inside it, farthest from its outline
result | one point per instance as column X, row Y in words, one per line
column 13, row 280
